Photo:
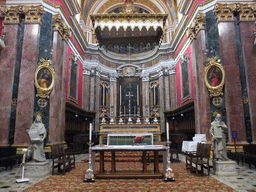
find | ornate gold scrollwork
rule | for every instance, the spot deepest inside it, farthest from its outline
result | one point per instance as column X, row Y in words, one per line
column 44, row 78
column 198, row 23
column 246, row 11
column 60, row 26
column 225, row 12
column 11, row 14
column 214, row 76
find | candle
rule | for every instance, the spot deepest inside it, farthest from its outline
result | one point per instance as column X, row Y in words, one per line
column 138, row 101
column 90, row 133
column 167, row 131
column 154, row 96
column 120, row 95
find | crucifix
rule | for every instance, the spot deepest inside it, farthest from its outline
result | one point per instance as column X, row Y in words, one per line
column 129, row 118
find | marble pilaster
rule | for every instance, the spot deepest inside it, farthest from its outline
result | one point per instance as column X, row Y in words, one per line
column 249, row 53
column 26, row 93
column 233, row 92
column 86, row 99
column 7, row 68
column 58, row 96
column 201, row 94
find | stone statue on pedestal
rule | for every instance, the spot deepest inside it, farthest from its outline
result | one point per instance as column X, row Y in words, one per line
column 218, row 138
column 37, row 134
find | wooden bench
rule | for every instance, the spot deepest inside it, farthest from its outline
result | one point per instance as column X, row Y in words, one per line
column 8, row 157
column 59, row 160
column 199, row 158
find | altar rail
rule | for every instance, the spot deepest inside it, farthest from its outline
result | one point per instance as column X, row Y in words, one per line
column 129, row 129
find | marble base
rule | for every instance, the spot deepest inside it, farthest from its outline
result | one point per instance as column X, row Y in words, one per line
column 224, row 168
column 37, row 169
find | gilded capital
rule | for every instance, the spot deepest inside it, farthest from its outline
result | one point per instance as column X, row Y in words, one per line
column 198, row 23
column 224, row 12
column 246, row 11
column 61, row 26
column 11, row 14
column 191, row 33
column 33, row 14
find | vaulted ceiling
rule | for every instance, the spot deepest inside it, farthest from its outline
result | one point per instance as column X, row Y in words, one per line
column 137, row 30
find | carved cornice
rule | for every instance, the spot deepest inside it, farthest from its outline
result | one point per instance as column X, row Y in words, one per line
column 198, row 23
column 225, row 12
column 246, row 11
column 11, row 14
column 61, row 26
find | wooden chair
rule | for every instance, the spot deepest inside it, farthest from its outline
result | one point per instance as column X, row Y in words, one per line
column 59, row 161
column 202, row 158
column 191, row 154
column 68, row 155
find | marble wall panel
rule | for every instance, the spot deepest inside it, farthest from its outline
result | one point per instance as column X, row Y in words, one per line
column 25, row 104
column 86, row 92
column 233, row 93
column 202, row 99
column 249, row 53
column 7, row 68
column 57, row 96
column 167, row 93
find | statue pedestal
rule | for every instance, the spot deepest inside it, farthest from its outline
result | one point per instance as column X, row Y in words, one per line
column 37, row 169
column 224, row 168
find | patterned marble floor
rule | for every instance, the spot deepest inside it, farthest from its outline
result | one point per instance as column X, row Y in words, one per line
column 245, row 181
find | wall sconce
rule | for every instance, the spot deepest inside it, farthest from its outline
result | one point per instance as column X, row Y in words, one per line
column 2, row 44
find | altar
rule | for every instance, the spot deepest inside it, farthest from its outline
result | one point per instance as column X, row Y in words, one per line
column 145, row 173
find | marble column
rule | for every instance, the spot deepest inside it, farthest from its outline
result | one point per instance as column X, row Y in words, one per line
column 233, row 92
column 26, row 93
column 173, row 90
column 96, row 102
column 145, row 98
column 113, row 96
column 249, row 52
column 167, row 92
column 201, row 94
column 86, row 90
column 7, row 68
column 58, row 95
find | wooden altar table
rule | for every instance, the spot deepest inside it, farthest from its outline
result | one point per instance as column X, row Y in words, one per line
column 123, row 174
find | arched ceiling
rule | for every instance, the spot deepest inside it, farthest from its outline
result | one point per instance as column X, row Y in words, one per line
column 105, row 6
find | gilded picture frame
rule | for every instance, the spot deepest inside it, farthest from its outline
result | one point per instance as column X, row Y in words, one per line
column 214, row 77
column 44, row 78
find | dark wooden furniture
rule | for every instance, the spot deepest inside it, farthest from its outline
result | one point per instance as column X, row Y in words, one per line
column 69, row 155
column 145, row 173
column 59, row 161
column 200, row 158
column 8, row 157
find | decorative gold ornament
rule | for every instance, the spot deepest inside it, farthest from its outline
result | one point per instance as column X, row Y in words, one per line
column 38, row 113
column 214, row 76
column 198, row 23
column 225, row 12
column 217, row 101
column 246, row 11
column 61, row 26
column 11, row 14
column 44, row 78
